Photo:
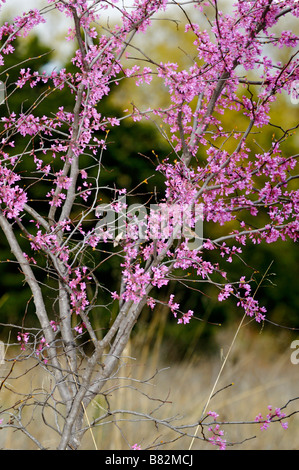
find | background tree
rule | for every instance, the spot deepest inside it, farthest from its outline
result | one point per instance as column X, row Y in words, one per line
column 53, row 218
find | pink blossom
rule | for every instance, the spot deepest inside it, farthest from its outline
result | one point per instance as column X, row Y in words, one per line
column 271, row 417
column 136, row 447
column 41, row 346
column 159, row 277
column 174, row 306
column 53, row 325
column 216, row 439
column 225, row 293
column 186, row 317
column 213, row 414
column 114, row 295
column 23, row 338
column 151, row 302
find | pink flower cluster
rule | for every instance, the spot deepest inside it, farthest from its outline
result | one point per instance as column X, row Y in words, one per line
column 12, row 197
column 174, row 307
column 217, row 434
column 79, row 300
column 136, row 447
column 21, row 26
column 272, row 416
column 23, row 338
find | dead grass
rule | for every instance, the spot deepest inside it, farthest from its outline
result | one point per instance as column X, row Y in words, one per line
column 259, row 367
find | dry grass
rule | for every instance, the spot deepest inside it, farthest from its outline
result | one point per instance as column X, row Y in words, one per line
column 259, row 367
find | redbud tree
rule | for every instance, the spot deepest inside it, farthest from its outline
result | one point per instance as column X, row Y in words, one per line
column 212, row 177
